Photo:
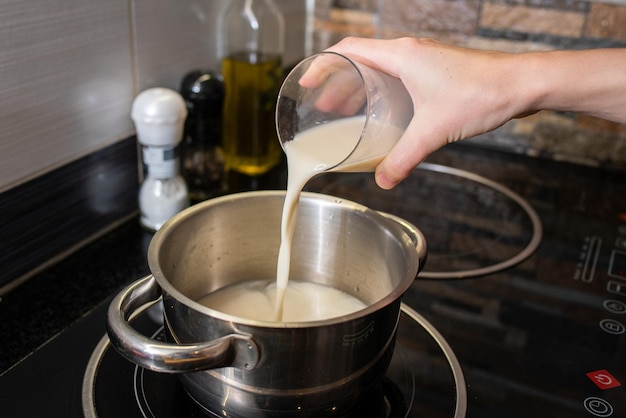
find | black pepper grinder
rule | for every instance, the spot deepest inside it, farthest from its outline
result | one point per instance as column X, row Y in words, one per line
column 202, row 162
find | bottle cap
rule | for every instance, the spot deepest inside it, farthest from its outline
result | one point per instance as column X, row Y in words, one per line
column 203, row 91
column 159, row 115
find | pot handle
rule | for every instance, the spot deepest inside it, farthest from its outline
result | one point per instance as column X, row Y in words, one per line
column 416, row 236
column 234, row 350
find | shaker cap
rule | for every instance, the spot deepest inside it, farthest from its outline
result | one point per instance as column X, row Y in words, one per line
column 203, row 91
column 159, row 115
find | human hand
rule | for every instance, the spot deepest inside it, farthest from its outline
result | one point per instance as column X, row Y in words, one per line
column 335, row 83
column 457, row 93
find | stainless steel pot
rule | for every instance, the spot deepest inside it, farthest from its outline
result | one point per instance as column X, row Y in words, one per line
column 247, row 368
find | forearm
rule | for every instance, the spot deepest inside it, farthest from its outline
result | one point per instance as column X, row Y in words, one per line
column 459, row 93
column 591, row 82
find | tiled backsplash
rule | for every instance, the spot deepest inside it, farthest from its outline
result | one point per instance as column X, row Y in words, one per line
column 65, row 82
column 50, row 216
column 509, row 26
column 69, row 72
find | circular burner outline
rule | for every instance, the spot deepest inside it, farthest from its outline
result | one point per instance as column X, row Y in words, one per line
column 516, row 259
column 89, row 379
column 455, row 366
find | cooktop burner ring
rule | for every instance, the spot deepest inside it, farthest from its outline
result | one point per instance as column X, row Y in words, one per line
column 531, row 247
column 90, row 408
column 457, row 372
column 473, row 226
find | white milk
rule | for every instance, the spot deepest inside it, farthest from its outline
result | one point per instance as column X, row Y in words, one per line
column 308, row 154
column 304, row 301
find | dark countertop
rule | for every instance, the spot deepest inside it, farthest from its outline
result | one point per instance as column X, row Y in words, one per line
column 49, row 302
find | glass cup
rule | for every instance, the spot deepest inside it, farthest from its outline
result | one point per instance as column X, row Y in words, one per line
column 368, row 109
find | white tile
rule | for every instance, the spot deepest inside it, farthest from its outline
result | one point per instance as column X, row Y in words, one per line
column 65, row 82
column 175, row 37
column 172, row 38
column 69, row 70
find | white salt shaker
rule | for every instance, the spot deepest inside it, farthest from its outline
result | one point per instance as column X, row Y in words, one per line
column 159, row 115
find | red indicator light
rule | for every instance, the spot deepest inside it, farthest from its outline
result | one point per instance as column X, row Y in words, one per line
column 603, row 379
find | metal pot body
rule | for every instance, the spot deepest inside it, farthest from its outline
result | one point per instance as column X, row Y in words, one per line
column 261, row 368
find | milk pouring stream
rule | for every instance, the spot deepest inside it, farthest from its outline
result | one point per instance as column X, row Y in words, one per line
column 308, row 154
column 311, row 152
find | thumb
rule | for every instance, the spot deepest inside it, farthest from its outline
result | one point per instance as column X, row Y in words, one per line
column 412, row 148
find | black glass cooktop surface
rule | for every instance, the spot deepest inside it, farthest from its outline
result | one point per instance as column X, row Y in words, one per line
column 542, row 337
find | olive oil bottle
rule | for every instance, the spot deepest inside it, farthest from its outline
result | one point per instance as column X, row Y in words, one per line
column 251, row 48
column 252, row 82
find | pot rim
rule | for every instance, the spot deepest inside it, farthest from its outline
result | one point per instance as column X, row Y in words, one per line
column 414, row 264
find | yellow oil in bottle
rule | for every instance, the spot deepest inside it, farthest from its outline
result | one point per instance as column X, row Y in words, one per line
column 249, row 139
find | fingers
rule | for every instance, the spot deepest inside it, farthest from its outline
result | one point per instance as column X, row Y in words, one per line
column 405, row 59
column 333, row 83
column 376, row 53
column 413, row 147
column 318, row 71
column 342, row 92
column 391, row 56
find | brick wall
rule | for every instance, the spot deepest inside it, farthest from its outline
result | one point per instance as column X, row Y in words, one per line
column 509, row 26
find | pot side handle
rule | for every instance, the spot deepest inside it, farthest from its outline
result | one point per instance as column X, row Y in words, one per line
column 234, row 350
column 416, row 236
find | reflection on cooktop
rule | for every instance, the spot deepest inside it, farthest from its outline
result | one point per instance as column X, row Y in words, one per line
column 473, row 225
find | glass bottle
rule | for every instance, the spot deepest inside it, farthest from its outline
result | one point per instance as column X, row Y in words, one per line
column 202, row 157
column 251, row 48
